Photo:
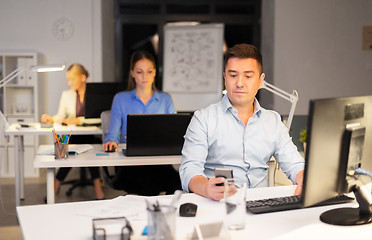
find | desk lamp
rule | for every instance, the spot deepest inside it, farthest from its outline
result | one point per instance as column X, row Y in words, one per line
column 18, row 71
column 293, row 98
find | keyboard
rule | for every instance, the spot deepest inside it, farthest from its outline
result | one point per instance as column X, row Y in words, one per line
column 89, row 125
column 289, row 203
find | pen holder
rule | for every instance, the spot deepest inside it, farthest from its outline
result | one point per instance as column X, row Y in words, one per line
column 117, row 228
column 60, row 150
column 161, row 223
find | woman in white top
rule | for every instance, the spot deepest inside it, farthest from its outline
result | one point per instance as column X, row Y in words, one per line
column 71, row 111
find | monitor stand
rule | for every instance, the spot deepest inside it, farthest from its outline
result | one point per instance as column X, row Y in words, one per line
column 350, row 216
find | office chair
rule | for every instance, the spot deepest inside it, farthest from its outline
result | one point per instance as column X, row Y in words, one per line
column 276, row 176
column 105, row 121
column 83, row 181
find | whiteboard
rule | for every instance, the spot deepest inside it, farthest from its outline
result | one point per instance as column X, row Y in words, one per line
column 193, row 58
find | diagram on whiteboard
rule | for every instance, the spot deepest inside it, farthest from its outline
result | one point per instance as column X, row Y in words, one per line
column 192, row 59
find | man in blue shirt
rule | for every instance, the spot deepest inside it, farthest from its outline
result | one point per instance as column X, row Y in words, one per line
column 237, row 133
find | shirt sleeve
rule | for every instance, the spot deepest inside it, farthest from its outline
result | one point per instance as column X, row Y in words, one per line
column 114, row 131
column 170, row 105
column 62, row 108
column 289, row 159
column 195, row 150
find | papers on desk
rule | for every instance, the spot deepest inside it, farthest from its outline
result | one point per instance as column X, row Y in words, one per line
column 78, row 148
column 73, row 149
column 46, row 125
column 131, row 206
column 27, row 126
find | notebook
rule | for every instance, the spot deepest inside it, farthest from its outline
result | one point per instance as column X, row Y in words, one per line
column 156, row 134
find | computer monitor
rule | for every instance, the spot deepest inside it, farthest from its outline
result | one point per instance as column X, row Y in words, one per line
column 99, row 96
column 156, row 134
column 339, row 141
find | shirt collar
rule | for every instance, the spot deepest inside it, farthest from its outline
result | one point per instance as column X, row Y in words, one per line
column 133, row 94
column 155, row 96
column 226, row 105
column 257, row 108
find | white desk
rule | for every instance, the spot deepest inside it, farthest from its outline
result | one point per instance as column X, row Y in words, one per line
column 71, row 221
column 89, row 159
column 19, row 133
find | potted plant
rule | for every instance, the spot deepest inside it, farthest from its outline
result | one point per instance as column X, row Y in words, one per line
column 303, row 137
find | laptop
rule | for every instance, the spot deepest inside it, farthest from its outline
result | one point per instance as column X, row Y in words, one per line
column 156, row 134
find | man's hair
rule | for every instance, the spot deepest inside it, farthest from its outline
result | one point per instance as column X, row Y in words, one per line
column 242, row 51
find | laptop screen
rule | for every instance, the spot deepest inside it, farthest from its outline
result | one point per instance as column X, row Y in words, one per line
column 156, row 134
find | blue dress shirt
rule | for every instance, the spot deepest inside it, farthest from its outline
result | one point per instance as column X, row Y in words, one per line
column 217, row 138
column 128, row 102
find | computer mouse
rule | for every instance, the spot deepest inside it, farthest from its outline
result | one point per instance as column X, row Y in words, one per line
column 113, row 148
column 188, row 210
column 64, row 124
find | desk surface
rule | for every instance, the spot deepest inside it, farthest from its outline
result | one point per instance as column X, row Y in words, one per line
column 36, row 129
column 74, row 220
column 90, row 158
column 19, row 132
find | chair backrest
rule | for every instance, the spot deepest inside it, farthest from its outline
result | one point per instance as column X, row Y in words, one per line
column 105, row 121
column 298, row 124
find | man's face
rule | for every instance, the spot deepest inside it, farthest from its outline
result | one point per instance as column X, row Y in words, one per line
column 243, row 78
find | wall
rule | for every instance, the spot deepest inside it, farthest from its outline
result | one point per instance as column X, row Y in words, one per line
column 267, row 50
column 314, row 46
column 27, row 25
column 318, row 50
column 108, row 41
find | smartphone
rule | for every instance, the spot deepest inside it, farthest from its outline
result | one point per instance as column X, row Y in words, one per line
column 223, row 172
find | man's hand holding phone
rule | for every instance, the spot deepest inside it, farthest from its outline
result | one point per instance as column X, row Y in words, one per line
column 213, row 187
column 223, row 172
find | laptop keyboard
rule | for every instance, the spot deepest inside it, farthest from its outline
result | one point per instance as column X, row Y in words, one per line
column 288, row 203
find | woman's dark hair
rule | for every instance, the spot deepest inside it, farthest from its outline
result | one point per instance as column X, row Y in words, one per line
column 79, row 68
column 136, row 56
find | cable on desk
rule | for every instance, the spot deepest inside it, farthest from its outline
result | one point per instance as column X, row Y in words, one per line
column 361, row 171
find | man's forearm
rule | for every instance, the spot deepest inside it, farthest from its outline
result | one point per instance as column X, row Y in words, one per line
column 300, row 177
column 198, row 185
column 299, row 180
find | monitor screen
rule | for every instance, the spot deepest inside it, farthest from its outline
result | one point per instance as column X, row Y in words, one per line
column 339, row 129
column 156, row 134
column 99, row 96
